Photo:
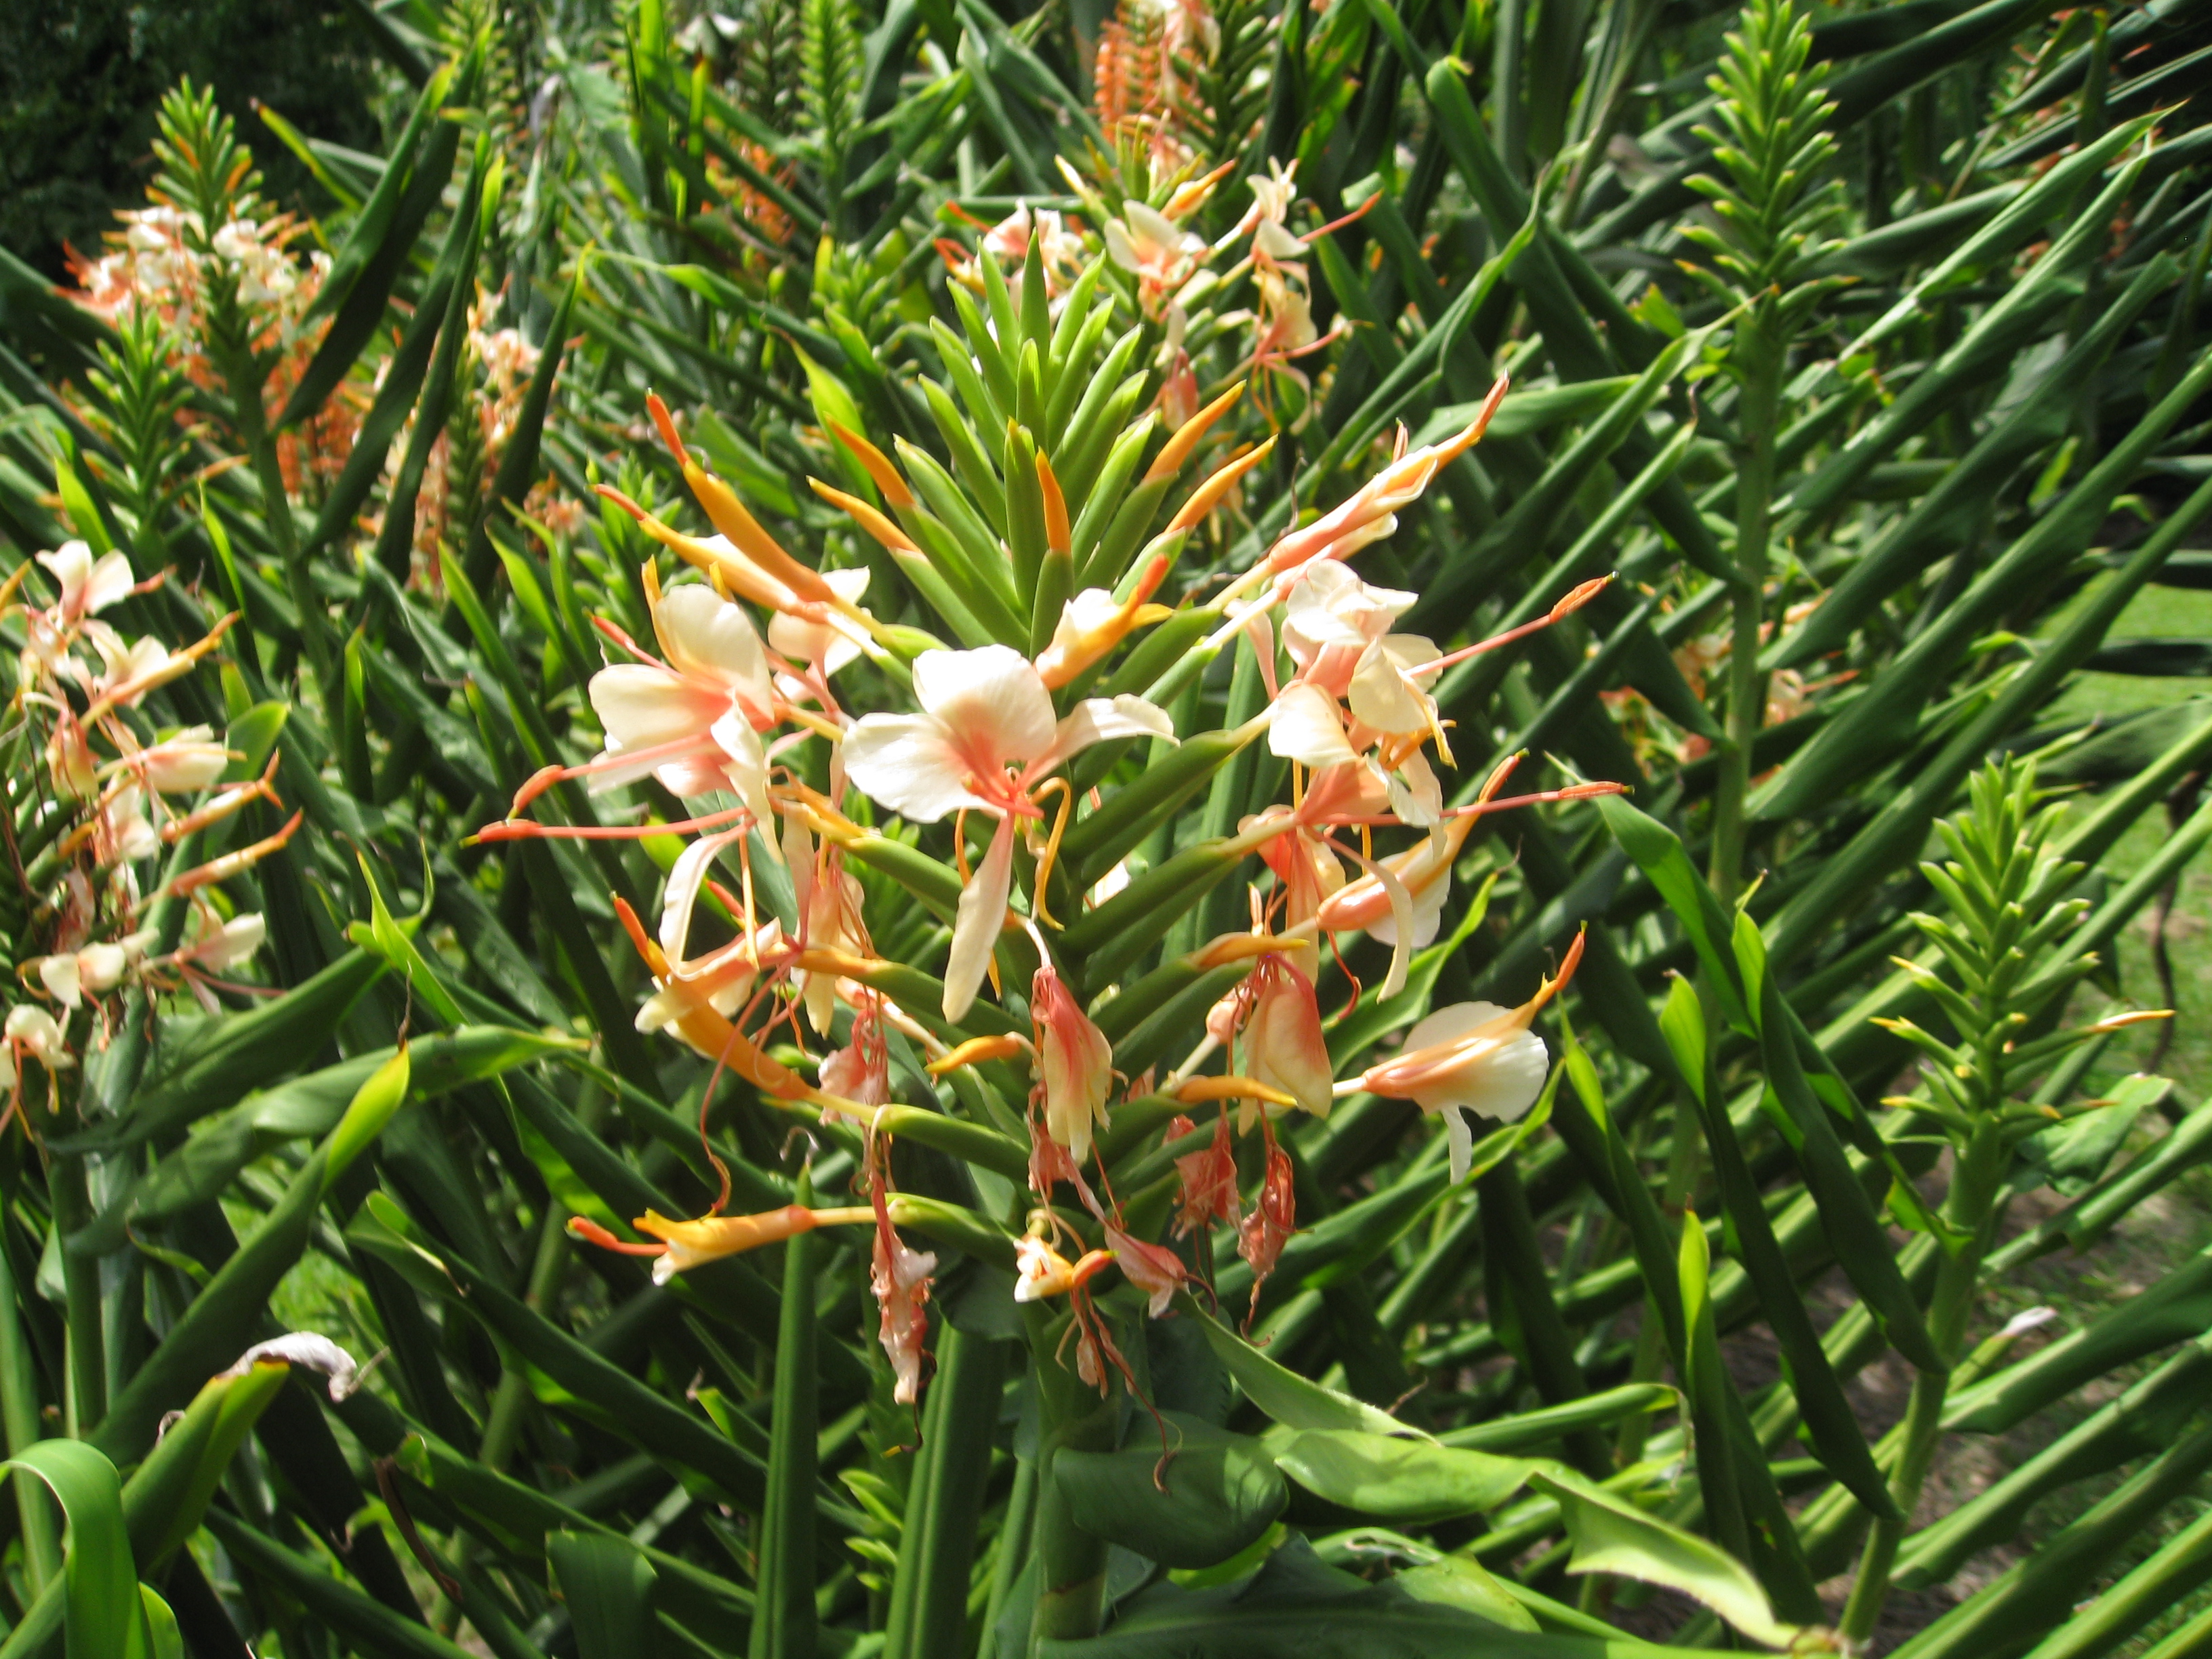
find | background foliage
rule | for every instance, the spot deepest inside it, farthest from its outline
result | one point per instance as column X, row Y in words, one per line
column 1875, row 369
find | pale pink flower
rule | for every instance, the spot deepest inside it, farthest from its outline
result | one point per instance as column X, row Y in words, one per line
column 70, row 978
column 1422, row 874
column 181, row 765
column 88, row 584
column 1370, row 514
column 985, row 737
column 1471, row 1057
column 1151, row 247
column 217, row 945
column 693, row 721
column 31, row 1033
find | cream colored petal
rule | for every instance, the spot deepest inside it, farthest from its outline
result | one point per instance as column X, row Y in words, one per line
column 109, row 580
column 746, row 768
column 708, row 638
column 640, row 707
column 59, row 975
column 1501, row 1084
column 686, row 877
column 976, row 924
column 1384, row 697
column 992, row 703
column 908, row 764
column 1119, row 248
column 1460, row 1140
column 1449, row 1025
column 1097, row 718
column 100, row 967
column 1306, row 727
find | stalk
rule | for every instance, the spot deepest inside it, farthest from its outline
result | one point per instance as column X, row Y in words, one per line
column 784, row 1624
column 19, row 1418
column 1760, row 349
column 1971, row 1206
column 86, row 1401
column 1071, row 1562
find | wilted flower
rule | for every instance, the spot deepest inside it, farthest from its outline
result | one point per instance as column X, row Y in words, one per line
column 1284, row 1047
column 1208, row 1177
column 1262, row 1234
column 900, row 1279
column 1075, row 1064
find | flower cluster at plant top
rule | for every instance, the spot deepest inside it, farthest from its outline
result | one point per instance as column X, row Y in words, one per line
column 163, row 269
column 716, row 717
column 110, row 784
column 164, row 264
column 1178, row 275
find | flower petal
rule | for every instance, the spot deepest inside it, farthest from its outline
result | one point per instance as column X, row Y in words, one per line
column 708, row 638
column 992, row 703
column 976, row 926
column 1305, row 727
column 1097, row 718
column 640, row 706
column 908, row 762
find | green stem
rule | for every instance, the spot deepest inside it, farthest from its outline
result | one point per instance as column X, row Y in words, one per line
column 1684, row 1165
column 1071, row 1562
column 784, row 1623
column 1969, row 1208
column 1760, row 351
column 86, row 1401
column 503, row 1423
column 19, row 1417
column 1011, row 1554
column 929, row 1607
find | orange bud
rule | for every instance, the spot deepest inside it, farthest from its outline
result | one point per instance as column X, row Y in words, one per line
column 877, row 464
column 1169, row 460
column 1207, row 495
column 867, row 517
column 1057, row 535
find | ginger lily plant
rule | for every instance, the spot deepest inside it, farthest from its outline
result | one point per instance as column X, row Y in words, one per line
column 997, row 738
column 915, row 772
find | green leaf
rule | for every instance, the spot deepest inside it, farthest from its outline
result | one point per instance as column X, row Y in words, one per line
column 1456, row 1581
column 1611, row 1535
column 1399, row 1480
column 102, row 1605
column 1207, row 1499
column 383, row 1094
column 214, row 1062
column 1290, row 1399
column 608, row 1585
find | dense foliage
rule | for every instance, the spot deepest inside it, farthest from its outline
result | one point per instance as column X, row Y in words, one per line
column 1190, row 830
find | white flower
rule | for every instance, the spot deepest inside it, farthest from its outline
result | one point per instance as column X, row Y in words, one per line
column 985, row 737
column 693, row 721
column 97, row 967
column 182, row 765
column 832, row 644
column 88, row 585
